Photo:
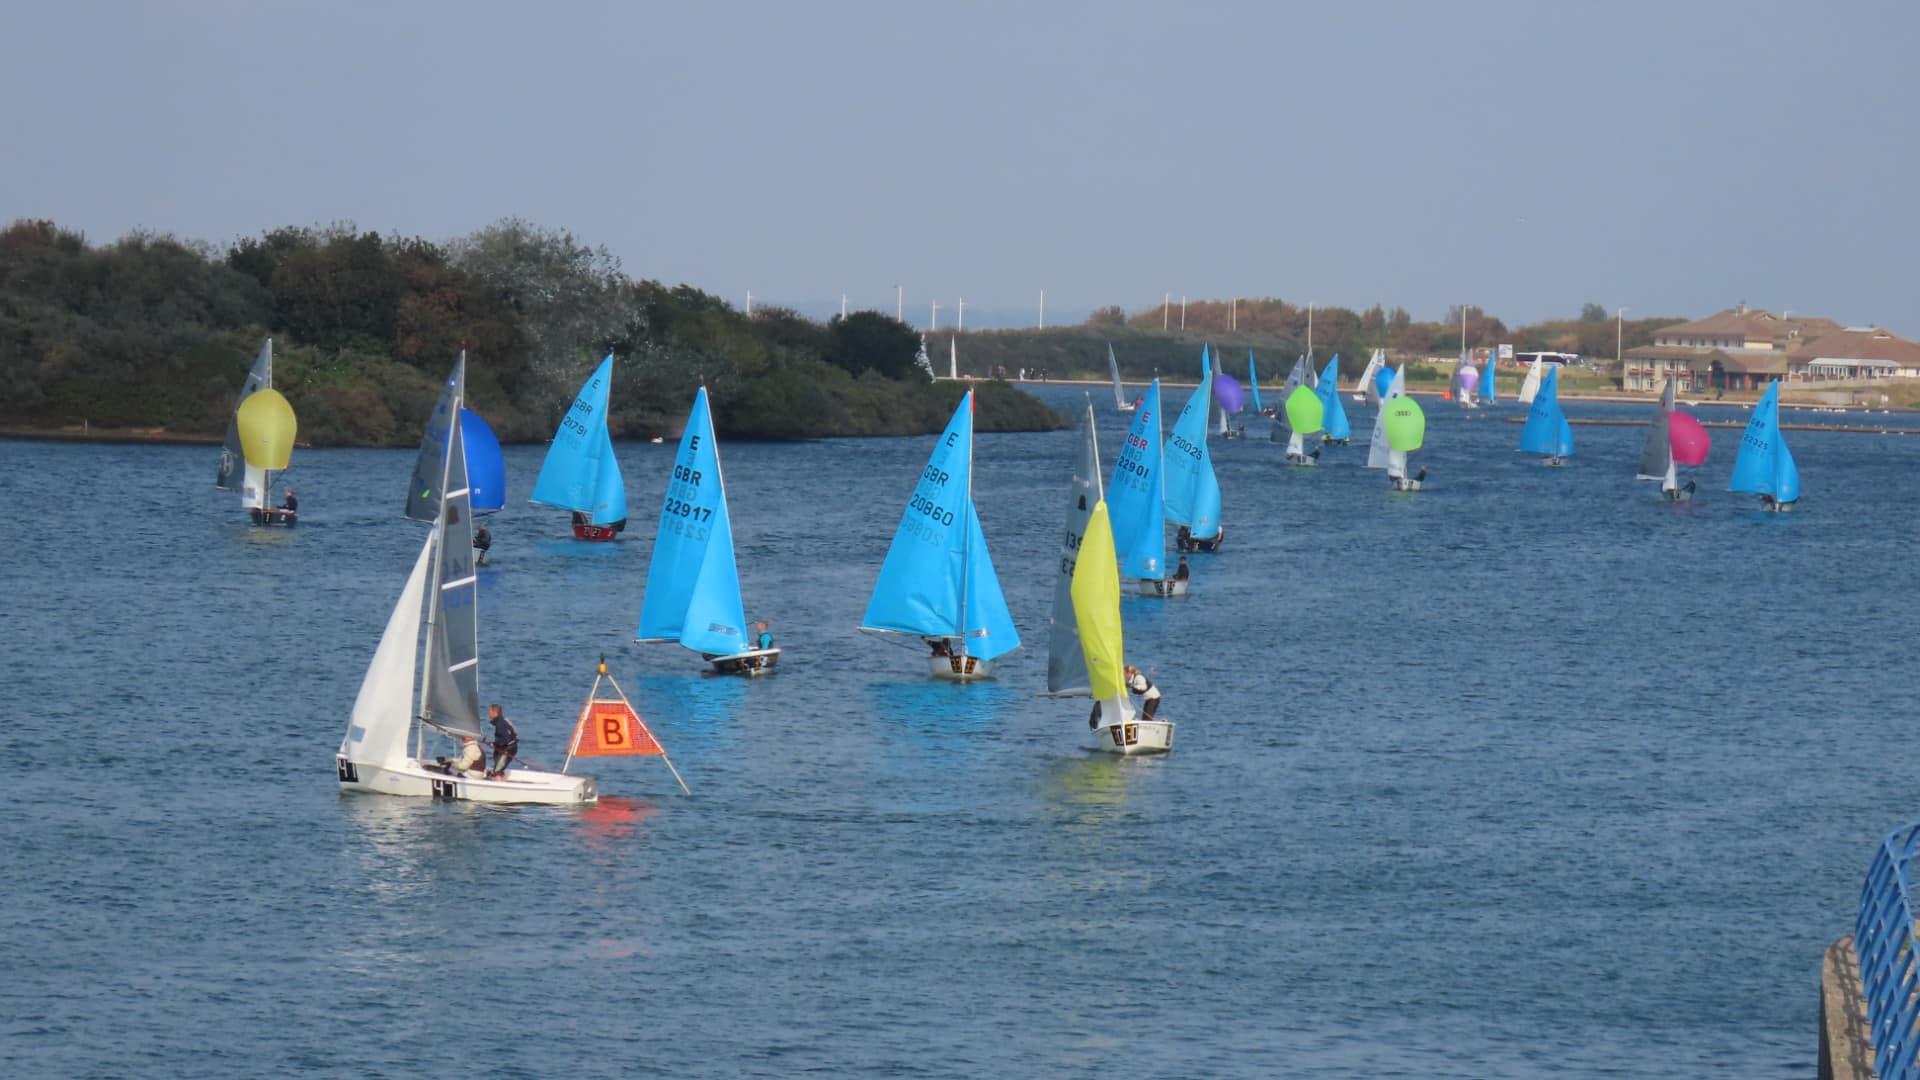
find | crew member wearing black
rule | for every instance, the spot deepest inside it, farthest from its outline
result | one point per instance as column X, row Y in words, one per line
column 506, row 741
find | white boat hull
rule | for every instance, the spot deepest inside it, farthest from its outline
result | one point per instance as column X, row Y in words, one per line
column 1401, row 483
column 750, row 663
column 516, row 786
column 1168, row 587
column 1134, row 737
column 959, row 668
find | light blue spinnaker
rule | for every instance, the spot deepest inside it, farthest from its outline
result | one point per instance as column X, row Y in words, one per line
column 486, row 466
column 1335, row 418
column 1253, row 383
column 1192, row 491
column 580, row 472
column 938, row 579
column 693, row 584
column 1136, row 495
column 1486, row 379
column 1382, row 381
column 1547, row 431
column 1764, row 466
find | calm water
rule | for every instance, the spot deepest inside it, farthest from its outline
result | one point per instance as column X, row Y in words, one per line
column 1528, row 773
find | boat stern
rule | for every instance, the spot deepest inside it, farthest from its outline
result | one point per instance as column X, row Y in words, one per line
column 1134, row 737
column 959, row 668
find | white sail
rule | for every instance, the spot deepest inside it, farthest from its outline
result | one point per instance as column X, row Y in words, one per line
column 1296, row 445
column 1671, row 481
column 953, row 357
column 1532, row 385
column 1113, row 367
column 1368, row 388
column 1396, row 464
column 377, row 731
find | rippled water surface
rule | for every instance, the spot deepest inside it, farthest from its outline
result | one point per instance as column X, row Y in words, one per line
column 1529, row 773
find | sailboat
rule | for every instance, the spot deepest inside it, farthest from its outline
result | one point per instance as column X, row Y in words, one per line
column 1379, row 447
column 938, row 582
column 1656, row 454
column 1764, row 466
column 1530, row 388
column 1305, row 413
column 1302, row 375
column 1096, row 610
column 1192, row 491
column 259, row 442
column 693, row 583
column 1486, row 379
column 1687, row 444
column 1253, row 387
column 1338, row 430
column 1406, row 430
column 1547, row 431
column 1120, row 401
column 373, row 755
column 1365, row 391
column 1136, row 494
column 580, row 473
column 1066, row 665
column 953, row 357
column 1466, row 378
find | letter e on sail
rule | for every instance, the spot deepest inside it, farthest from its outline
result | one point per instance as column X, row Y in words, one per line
column 612, row 728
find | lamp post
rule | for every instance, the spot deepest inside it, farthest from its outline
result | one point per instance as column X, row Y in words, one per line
column 1309, row 331
column 1619, row 335
column 899, row 303
column 1166, row 305
column 1183, row 311
column 1043, row 309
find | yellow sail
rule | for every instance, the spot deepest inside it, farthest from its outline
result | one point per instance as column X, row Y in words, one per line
column 267, row 427
column 1096, row 606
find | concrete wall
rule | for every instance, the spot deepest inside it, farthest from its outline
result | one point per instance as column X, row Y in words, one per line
column 1846, row 1042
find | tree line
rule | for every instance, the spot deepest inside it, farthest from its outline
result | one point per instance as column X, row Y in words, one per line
column 155, row 332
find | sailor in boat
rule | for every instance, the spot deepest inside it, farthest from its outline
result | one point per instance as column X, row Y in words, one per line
column 471, row 757
column 1183, row 540
column 938, row 646
column 1555, row 461
column 482, row 543
column 506, row 741
column 1771, row 504
column 1138, row 683
column 290, row 504
column 1181, row 573
column 1093, row 718
column 1684, row 493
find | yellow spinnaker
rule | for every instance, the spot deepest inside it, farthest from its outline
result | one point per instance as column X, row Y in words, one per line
column 267, row 427
column 1096, row 606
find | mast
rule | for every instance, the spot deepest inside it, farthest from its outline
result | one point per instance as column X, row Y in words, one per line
column 966, row 549
column 433, row 589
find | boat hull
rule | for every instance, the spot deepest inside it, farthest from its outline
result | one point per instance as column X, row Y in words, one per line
column 414, row 780
column 273, row 516
column 1134, row 737
column 959, row 668
column 1167, row 587
column 750, row 663
column 597, row 532
column 1401, row 483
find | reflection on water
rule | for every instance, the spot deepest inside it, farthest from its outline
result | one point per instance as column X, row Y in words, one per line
column 935, row 713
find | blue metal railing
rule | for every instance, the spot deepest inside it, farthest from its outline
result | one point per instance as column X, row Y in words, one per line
column 1883, row 936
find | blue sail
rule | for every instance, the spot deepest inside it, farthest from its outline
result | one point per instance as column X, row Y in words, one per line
column 1136, row 502
column 1383, row 380
column 486, row 466
column 580, row 472
column 1547, row 431
column 1192, row 491
column 1335, row 418
column 693, row 585
column 1486, row 379
column 1764, row 465
column 1253, row 383
column 938, row 579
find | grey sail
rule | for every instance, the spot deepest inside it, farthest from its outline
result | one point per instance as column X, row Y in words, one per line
column 233, row 466
column 1299, row 376
column 1657, row 454
column 453, row 643
column 1066, row 664
column 1113, row 365
column 430, row 467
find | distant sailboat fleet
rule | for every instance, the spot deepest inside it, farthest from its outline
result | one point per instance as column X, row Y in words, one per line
column 937, row 584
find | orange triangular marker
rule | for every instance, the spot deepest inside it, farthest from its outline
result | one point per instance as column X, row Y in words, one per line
column 612, row 728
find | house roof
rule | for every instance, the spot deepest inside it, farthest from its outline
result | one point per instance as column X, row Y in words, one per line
column 1749, row 324
column 1869, row 343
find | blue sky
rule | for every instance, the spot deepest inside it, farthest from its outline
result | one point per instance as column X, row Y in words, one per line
column 1674, row 158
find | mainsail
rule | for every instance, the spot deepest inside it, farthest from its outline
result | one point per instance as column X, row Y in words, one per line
column 1656, row 456
column 693, row 583
column 1119, row 393
column 232, row 459
column 580, row 472
column 451, row 696
column 1253, row 383
column 1066, row 667
column 1096, row 609
column 430, row 464
column 1764, row 465
column 1531, row 387
column 938, row 580
column 1486, row 379
column 1333, row 413
column 1379, row 449
column 1374, row 365
column 1547, row 431
column 1192, row 491
column 1136, row 494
